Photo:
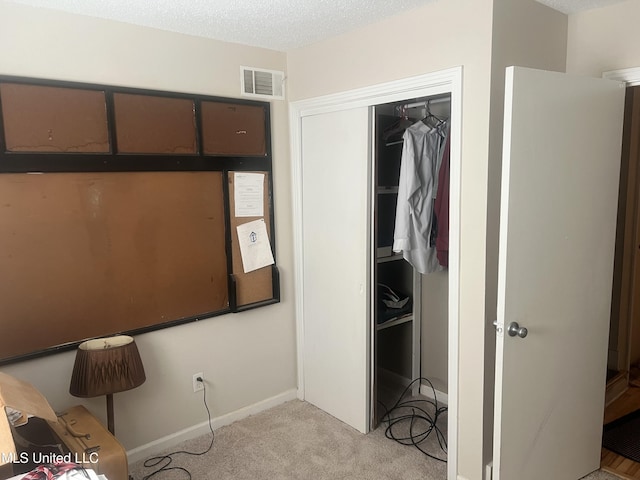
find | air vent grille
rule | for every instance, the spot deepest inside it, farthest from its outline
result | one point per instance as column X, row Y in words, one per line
column 261, row 83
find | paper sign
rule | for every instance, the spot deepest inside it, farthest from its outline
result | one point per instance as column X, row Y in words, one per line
column 255, row 248
column 249, row 194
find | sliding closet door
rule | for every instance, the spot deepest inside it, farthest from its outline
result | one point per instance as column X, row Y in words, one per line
column 336, row 253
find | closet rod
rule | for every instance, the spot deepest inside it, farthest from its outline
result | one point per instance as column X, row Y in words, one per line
column 424, row 103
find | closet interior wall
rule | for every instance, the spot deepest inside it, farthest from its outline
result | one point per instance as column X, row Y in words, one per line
column 405, row 351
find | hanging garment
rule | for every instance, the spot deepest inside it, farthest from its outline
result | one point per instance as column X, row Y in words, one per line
column 443, row 132
column 416, row 192
column 443, row 129
column 395, row 131
column 441, row 208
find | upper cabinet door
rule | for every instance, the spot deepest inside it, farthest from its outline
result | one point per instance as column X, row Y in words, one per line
column 233, row 129
column 152, row 124
column 53, row 119
column 560, row 168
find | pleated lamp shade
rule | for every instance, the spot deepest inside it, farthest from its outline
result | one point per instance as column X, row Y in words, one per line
column 106, row 366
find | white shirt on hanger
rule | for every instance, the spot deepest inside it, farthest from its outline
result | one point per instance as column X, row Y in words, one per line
column 416, row 191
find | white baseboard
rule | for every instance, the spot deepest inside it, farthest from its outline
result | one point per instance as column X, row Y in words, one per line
column 488, row 471
column 428, row 392
column 425, row 389
column 152, row 448
column 389, row 377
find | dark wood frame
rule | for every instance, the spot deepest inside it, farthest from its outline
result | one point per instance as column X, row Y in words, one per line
column 27, row 162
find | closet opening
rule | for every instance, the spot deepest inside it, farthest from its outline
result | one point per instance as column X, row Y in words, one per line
column 410, row 277
column 337, row 365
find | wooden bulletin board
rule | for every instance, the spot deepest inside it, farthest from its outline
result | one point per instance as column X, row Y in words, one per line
column 117, row 211
column 53, row 119
column 257, row 285
column 95, row 251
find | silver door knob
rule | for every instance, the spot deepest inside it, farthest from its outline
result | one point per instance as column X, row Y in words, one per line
column 515, row 329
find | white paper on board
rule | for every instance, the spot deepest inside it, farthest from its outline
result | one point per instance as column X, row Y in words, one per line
column 248, row 194
column 255, row 248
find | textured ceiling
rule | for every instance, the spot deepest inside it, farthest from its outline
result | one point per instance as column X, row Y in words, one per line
column 275, row 24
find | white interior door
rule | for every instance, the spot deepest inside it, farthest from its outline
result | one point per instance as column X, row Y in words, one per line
column 336, row 263
column 557, row 229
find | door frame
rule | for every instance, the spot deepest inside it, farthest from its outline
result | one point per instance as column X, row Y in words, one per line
column 443, row 81
column 631, row 78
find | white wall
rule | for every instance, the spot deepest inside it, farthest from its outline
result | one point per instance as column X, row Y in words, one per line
column 434, row 362
column 517, row 40
column 437, row 36
column 604, row 39
column 246, row 358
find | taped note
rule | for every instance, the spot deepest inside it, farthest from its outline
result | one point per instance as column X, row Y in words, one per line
column 248, row 194
column 255, row 248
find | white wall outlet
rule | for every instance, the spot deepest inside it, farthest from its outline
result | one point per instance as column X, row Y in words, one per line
column 197, row 385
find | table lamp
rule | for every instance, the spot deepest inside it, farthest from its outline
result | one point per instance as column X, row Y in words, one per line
column 105, row 366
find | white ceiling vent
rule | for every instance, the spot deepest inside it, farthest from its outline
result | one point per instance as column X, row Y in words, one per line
column 257, row 82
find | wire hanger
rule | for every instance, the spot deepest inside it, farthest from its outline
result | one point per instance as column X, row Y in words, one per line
column 432, row 121
column 397, row 128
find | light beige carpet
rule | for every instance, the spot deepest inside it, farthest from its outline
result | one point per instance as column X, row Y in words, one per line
column 298, row 441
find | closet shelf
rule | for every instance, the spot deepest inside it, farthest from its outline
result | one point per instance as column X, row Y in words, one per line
column 395, row 321
column 385, row 190
column 393, row 258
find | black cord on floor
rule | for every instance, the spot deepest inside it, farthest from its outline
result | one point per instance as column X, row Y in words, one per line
column 166, row 460
column 411, row 415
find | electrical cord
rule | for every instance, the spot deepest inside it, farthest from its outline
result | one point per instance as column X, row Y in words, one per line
column 167, row 459
column 412, row 416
